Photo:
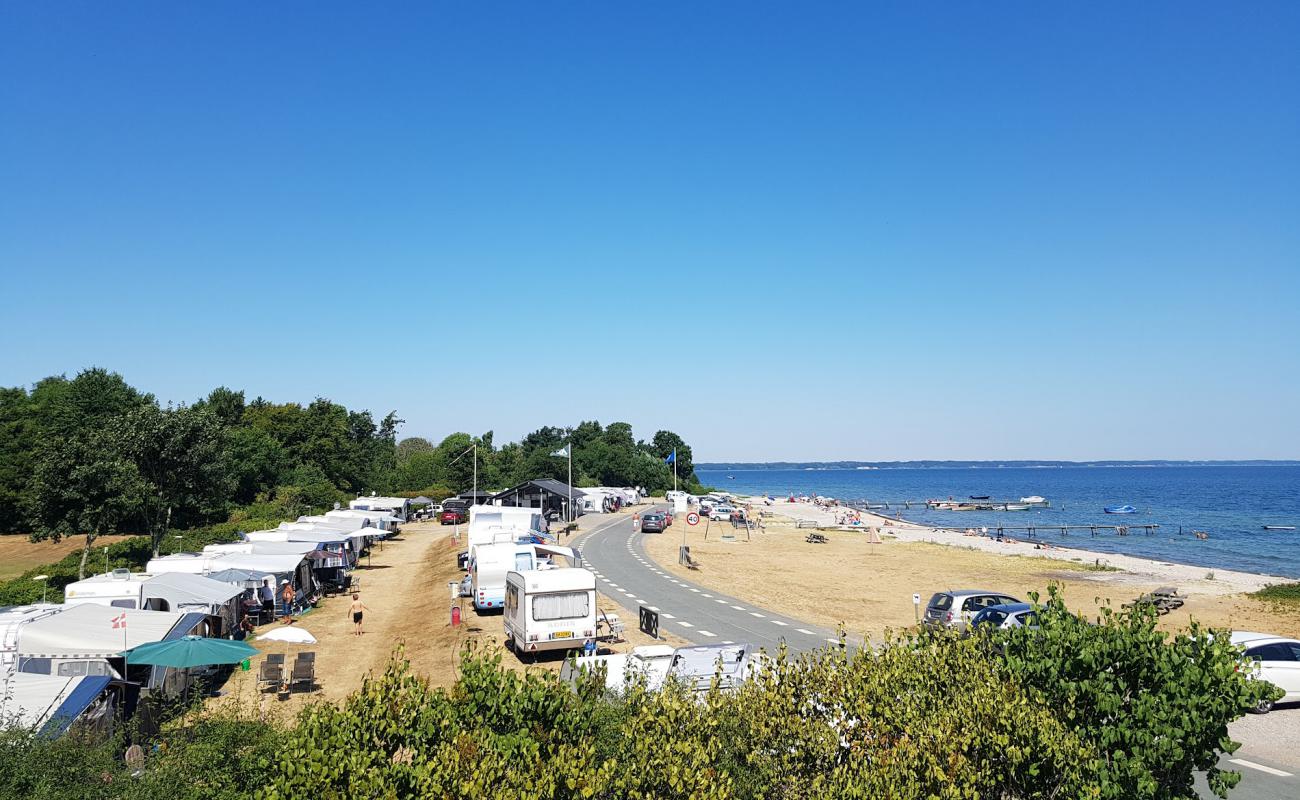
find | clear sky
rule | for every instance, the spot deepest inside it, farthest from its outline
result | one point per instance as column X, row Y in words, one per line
column 786, row 231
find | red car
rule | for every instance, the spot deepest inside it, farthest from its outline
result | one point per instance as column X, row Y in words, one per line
column 453, row 516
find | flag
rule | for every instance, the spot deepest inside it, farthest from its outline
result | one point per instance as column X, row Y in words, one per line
column 563, row 452
column 119, row 621
column 672, row 457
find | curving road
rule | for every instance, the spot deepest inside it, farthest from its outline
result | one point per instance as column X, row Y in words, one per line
column 629, row 577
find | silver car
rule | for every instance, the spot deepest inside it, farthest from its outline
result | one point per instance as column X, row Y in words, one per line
column 955, row 609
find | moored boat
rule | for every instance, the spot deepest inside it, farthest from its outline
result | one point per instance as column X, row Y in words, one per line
column 1034, row 500
column 1016, row 507
column 1120, row 509
column 1279, row 527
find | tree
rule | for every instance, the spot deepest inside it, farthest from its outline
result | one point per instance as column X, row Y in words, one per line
column 1155, row 706
column 84, row 484
column 179, row 454
column 664, row 443
column 18, row 438
column 410, row 446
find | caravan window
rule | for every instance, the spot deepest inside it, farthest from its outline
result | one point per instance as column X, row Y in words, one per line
column 75, row 669
column 523, row 562
column 123, row 604
column 512, row 598
column 562, row 605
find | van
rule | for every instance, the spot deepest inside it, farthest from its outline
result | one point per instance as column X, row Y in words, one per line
column 553, row 609
column 488, row 566
column 955, row 609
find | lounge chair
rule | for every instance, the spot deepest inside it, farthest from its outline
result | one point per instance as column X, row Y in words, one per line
column 270, row 675
column 304, row 671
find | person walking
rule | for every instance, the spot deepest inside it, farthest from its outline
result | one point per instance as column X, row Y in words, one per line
column 357, row 609
column 287, row 595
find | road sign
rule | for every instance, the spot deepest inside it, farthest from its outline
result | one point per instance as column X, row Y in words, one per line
column 916, row 599
column 692, row 518
column 650, row 622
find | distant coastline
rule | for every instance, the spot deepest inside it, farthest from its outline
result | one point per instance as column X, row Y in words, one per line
column 759, row 466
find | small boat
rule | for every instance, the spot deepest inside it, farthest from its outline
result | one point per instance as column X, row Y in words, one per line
column 1016, row 507
column 1120, row 510
column 979, row 497
column 1034, row 500
column 1279, row 527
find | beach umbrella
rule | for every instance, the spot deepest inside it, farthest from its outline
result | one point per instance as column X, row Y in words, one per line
column 288, row 634
column 190, row 651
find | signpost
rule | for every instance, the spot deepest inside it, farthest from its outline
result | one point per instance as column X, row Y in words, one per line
column 692, row 519
column 650, row 622
column 916, row 605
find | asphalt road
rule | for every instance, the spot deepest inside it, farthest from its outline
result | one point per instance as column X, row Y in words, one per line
column 629, row 577
column 1269, row 758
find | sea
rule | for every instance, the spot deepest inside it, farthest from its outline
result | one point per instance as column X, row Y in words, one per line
column 1230, row 504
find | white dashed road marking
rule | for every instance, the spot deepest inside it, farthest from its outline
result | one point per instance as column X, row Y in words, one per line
column 1244, row 763
column 755, row 614
column 778, row 622
column 686, row 624
column 666, row 615
column 739, row 608
column 703, row 632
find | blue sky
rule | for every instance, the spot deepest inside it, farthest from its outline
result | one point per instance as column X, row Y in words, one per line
column 786, row 231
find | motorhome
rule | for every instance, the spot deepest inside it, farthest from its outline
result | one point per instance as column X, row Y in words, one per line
column 647, row 664
column 120, row 588
column 552, row 609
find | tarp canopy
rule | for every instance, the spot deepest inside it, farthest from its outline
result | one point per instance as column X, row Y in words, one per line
column 180, row 589
column 420, row 501
column 266, row 548
column 93, row 631
column 245, row 578
column 35, row 701
column 277, row 564
column 318, row 536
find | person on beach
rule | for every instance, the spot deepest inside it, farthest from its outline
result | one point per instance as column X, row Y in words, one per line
column 357, row 609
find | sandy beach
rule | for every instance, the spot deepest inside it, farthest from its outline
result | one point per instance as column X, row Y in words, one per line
column 868, row 588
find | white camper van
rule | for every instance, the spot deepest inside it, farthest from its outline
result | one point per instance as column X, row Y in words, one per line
column 552, row 609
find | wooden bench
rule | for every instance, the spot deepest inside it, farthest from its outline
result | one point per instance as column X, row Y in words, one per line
column 806, row 523
column 815, row 538
column 1164, row 599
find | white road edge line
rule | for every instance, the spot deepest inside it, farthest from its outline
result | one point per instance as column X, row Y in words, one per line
column 686, row 624
column 703, row 632
column 778, row 622
column 666, row 615
column 739, row 608
column 755, row 614
column 805, row 630
column 1244, row 763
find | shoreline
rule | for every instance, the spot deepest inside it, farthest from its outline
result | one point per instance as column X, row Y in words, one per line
column 1225, row 581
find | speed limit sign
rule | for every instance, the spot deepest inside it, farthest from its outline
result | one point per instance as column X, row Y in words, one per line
column 692, row 518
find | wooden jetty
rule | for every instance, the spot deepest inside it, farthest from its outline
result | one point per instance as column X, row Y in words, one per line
column 1064, row 530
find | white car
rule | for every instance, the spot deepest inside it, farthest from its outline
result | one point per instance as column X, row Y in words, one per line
column 722, row 513
column 1277, row 660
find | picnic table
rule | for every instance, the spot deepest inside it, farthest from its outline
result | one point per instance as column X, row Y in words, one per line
column 1164, row 599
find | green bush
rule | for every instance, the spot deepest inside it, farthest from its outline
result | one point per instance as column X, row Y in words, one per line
column 1286, row 593
column 1154, row 707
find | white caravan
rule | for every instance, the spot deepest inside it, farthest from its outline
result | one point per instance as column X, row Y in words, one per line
column 647, row 663
column 551, row 609
column 12, row 620
column 120, row 588
column 399, row 507
column 491, row 562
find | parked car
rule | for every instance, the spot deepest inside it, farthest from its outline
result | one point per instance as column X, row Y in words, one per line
column 453, row 515
column 721, row 513
column 706, row 508
column 1011, row 615
column 1275, row 659
column 955, row 609
column 653, row 523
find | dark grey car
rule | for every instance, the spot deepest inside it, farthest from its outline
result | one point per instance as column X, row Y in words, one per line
column 653, row 523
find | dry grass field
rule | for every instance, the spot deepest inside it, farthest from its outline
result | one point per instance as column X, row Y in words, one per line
column 19, row 554
column 868, row 587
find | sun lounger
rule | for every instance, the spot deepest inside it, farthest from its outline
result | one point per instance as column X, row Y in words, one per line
column 304, row 672
column 270, row 675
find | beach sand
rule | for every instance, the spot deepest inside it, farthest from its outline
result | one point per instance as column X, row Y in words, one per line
column 868, row 588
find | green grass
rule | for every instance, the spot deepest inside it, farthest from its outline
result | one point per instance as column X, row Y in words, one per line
column 1288, row 593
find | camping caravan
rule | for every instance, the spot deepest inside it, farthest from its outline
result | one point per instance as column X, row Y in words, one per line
column 50, row 705
column 647, row 664
column 551, row 609
column 374, row 519
column 89, row 640
column 12, row 620
column 119, row 588
column 522, row 518
column 177, row 591
column 488, row 566
column 399, row 507
column 193, row 563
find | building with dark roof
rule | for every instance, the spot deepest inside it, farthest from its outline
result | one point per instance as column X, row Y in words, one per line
column 548, row 494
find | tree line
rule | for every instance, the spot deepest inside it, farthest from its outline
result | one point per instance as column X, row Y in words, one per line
column 93, row 455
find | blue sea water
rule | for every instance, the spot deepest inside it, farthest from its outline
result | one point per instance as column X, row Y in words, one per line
column 1230, row 504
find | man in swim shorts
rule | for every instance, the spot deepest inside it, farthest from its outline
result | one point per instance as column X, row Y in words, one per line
column 357, row 608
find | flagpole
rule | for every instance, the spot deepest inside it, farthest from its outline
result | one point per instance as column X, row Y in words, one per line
column 570, row 450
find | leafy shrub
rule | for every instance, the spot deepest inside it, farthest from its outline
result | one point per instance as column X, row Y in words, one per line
column 1279, row 593
column 1154, row 707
